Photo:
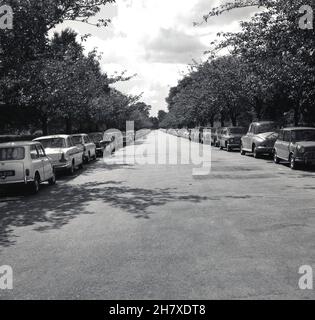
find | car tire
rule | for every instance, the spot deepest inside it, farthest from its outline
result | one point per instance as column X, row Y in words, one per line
column 71, row 169
column 228, row 148
column 80, row 166
column 35, row 185
column 255, row 153
column 275, row 158
column 52, row 180
column 243, row 153
column 293, row 164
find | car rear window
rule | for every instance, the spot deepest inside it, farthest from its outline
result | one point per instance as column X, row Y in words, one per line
column 237, row 130
column 77, row 139
column 10, row 154
column 53, row 143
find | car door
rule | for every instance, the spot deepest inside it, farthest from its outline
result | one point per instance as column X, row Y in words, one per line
column 37, row 163
column 75, row 151
column 285, row 149
column 89, row 146
column 247, row 140
column 279, row 145
column 47, row 167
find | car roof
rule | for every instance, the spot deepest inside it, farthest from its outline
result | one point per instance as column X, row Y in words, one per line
column 298, row 128
column 18, row 144
column 79, row 135
column 263, row 122
column 64, row 136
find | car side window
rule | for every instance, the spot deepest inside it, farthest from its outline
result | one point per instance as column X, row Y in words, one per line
column 34, row 153
column 251, row 129
column 69, row 142
column 40, row 151
column 86, row 139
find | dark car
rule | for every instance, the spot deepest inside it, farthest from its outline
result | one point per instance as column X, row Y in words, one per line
column 260, row 139
column 231, row 138
column 100, row 143
column 296, row 145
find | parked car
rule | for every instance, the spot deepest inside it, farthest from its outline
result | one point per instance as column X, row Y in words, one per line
column 100, row 143
column 206, row 135
column 89, row 147
column 217, row 137
column 65, row 155
column 230, row 138
column 260, row 139
column 25, row 163
column 296, row 145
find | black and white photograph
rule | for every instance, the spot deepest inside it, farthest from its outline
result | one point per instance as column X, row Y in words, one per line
column 157, row 150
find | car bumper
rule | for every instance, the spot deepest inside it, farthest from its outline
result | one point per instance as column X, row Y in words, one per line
column 265, row 150
column 62, row 166
column 24, row 182
column 305, row 161
column 234, row 145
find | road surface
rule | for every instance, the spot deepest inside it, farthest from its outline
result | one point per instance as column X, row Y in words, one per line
column 156, row 231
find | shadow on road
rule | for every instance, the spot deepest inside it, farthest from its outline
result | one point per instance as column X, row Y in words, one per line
column 54, row 207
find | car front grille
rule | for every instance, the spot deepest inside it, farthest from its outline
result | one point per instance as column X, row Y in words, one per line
column 309, row 155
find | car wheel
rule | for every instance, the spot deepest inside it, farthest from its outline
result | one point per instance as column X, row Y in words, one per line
column 293, row 164
column 228, row 148
column 71, row 169
column 35, row 185
column 255, row 153
column 243, row 153
column 275, row 158
column 52, row 180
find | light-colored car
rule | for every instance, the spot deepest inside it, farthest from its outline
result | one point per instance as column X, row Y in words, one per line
column 65, row 155
column 89, row 148
column 25, row 163
column 206, row 135
column 260, row 139
column 297, row 146
column 230, row 138
column 217, row 136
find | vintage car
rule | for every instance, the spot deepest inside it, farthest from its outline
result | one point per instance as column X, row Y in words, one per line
column 89, row 148
column 25, row 163
column 65, row 155
column 206, row 135
column 296, row 145
column 230, row 138
column 260, row 139
column 100, row 143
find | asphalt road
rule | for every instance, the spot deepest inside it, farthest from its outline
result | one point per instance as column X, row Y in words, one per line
column 155, row 231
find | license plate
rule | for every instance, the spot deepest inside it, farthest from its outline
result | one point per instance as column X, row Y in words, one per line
column 4, row 174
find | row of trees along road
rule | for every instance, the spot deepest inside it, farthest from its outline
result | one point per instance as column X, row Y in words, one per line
column 267, row 74
column 49, row 83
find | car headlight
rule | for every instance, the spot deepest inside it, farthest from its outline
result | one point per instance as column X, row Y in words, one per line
column 300, row 149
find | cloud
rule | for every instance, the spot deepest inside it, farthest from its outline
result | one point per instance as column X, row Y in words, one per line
column 155, row 39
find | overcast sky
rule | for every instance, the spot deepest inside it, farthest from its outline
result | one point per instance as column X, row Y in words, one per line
column 156, row 40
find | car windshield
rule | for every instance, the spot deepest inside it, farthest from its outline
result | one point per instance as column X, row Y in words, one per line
column 9, row 154
column 303, row 135
column 77, row 139
column 268, row 127
column 237, row 130
column 53, row 143
column 96, row 137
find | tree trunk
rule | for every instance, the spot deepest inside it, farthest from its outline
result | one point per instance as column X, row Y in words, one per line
column 69, row 126
column 296, row 116
column 44, row 125
column 234, row 121
column 222, row 119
